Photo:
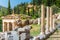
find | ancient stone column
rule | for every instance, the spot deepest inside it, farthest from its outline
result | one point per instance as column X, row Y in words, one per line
column 51, row 20
column 38, row 21
column 3, row 26
column 42, row 33
column 42, row 19
column 48, row 20
column 39, row 16
column 13, row 27
column 54, row 27
column 7, row 26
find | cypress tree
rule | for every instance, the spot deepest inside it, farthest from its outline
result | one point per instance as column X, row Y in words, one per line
column 18, row 9
column 9, row 7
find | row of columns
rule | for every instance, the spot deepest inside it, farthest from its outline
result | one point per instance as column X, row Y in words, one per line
column 50, row 22
column 7, row 26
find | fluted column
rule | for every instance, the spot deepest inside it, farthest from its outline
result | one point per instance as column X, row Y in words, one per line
column 13, row 27
column 54, row 27
column 39, row 17
column 7, row 26
column 3, row 26
column 42, row 33
column 38, row 21
column 48, row 20
column 51, row 20
column 42, row 19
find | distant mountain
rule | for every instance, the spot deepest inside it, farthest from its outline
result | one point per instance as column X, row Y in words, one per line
column 0, row 7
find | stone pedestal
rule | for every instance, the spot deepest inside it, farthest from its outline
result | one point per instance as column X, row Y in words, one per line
column 12, row 35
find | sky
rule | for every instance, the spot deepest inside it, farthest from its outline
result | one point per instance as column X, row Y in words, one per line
column 13, row 2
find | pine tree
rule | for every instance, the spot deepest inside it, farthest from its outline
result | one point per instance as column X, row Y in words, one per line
column 9, row 7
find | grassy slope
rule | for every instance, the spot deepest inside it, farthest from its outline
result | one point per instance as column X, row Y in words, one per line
column 35, row 30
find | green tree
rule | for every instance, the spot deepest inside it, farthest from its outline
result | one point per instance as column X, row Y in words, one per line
column 37, row 3
column 18, row 11
column 14, row 10
column 33, row 7
column 57, row 3
column 24, row 9
column 28, row 11
column 9, row 7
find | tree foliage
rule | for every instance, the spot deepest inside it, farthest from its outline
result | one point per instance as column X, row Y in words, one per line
column 57, row 3
column 9, row 7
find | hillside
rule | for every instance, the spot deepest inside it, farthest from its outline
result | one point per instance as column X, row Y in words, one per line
column 3, row 10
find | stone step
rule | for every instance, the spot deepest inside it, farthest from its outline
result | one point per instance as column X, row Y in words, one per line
column 53, row 39
column 55, row 36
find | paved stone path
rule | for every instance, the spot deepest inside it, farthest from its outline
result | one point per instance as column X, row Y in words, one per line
column 55, row 36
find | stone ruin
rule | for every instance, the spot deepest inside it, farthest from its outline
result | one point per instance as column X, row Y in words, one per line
column 15, row 29
column 24, row 33
column 21, row 29
column 19, row 33
column 12, row 24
